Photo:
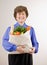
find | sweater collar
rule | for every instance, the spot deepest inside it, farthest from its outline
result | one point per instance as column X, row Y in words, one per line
column 24, row 25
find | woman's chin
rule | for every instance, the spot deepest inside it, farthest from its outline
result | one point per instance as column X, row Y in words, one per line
column 21, row 23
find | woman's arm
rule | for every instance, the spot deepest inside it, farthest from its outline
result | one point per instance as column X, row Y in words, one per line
column 6, row 44
column 34, row 40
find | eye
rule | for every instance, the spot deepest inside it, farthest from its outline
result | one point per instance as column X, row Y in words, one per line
column 19, row 13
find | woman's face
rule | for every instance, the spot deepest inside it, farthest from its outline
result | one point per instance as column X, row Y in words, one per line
column 21, row 17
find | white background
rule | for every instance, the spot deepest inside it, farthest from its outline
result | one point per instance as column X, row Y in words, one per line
column 37, row 18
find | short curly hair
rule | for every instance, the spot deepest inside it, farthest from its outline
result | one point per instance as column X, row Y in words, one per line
column 20, row 9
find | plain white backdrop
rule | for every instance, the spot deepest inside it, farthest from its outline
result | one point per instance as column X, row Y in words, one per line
column 37, row 18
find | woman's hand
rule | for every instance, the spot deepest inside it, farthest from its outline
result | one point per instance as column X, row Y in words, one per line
column 20, row 48
column 32, row 50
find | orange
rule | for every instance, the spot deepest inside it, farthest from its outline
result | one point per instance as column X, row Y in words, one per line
column 17, row 33
column 28, row 28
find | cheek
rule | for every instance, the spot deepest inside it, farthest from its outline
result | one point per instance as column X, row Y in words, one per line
column 24, row 17
column 18, row 17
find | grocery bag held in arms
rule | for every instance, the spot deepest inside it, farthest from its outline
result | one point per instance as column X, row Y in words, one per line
column 21, row 38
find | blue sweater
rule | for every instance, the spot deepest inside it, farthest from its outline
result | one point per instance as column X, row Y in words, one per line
column 11, row 47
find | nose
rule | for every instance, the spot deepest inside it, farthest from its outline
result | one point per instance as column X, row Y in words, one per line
column 21, row 15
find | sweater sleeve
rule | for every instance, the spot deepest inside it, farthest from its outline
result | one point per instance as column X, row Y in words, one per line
column 34, row 40
column 5, row 42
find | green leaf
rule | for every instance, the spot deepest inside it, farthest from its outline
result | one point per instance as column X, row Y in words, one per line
column 20, row 29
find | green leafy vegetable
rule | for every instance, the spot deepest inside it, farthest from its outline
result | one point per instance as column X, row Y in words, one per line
column 20, row 29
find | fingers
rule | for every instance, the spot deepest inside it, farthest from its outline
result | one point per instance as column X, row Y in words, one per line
column 20, row 49
column 32, row 50
column 23, row 46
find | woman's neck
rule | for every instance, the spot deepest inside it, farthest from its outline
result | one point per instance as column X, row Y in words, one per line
column 21, row 24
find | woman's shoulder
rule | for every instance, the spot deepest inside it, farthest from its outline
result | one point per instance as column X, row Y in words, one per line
column 8, row 28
